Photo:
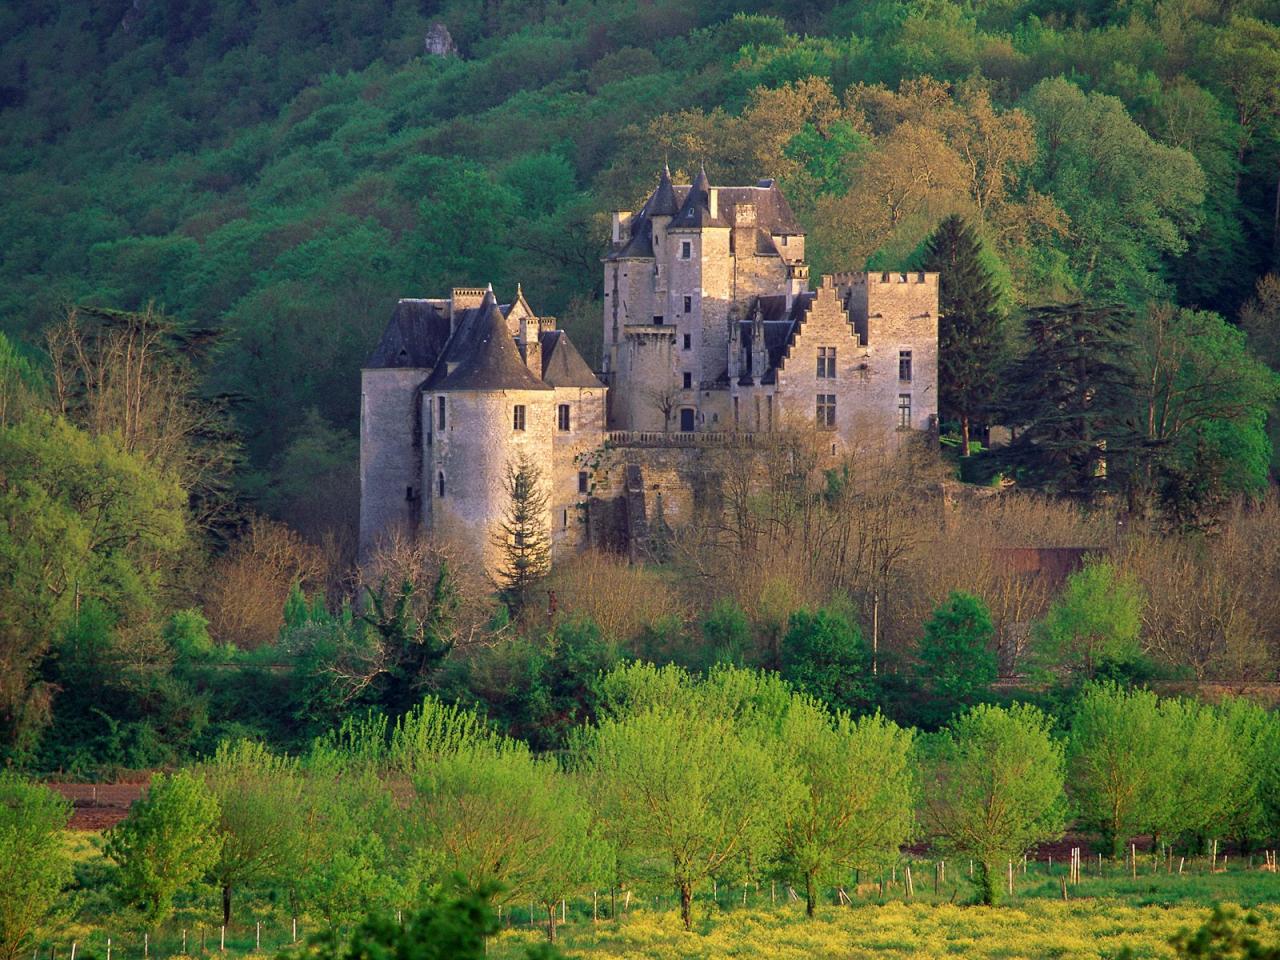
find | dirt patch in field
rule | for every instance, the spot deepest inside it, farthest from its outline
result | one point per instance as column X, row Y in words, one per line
column 97, row 806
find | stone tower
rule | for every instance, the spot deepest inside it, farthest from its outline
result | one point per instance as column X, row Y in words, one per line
column 456, row 390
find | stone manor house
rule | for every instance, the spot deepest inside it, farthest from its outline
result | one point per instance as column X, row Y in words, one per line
column 712, row 336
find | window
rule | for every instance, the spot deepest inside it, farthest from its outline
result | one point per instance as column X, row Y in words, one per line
column 564, row 519
column 904, row 411
column 686, row 249
column 784, row 239
column 904, row 365
column 826, row 363
column 826, row 411
column 688, row 341
column 517, row 420
column 440, row 483
column 562, row 416
column 582, row 481
column 688, row 304
column 440, row 413
column 688, row 380
column 408, row 494
column 657, row 321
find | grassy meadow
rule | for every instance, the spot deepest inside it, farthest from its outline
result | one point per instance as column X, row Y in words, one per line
column 1103, row 916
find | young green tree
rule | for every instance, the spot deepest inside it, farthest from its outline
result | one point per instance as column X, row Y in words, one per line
column 1119, row 758
column 682, row 787
column 169, row 840
column 972, row 345
column 498, row 816
column 1205, row 788
column 522, row 535
column 34, row 865
column 1255, row 731
column 1068, row 398
column 956, row 653
column 1096, row 620
column 994, row 787
column 259, row 795
column 856, row 796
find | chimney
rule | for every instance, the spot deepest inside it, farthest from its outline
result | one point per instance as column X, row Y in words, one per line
column 713, row 203
column 620, row 218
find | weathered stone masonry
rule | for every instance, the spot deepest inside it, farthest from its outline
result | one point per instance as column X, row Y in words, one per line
column 712, row 335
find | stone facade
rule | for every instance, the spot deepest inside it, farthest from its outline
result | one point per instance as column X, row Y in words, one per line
column 710, row 325
column 712, row 336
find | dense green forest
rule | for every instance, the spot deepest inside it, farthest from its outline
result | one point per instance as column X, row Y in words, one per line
column 209, row 209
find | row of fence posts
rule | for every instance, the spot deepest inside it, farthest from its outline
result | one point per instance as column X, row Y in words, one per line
column 1074, row 875
column 146, row 941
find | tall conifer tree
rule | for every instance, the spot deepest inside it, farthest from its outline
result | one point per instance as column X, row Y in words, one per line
column 971, row 339
column 1069, row 398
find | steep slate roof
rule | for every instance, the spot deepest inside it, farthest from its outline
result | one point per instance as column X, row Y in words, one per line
column 415, row 335
column 780, row 327
column 663, row 203
column 689, row 206
column 562, row 365
column 485, row 354
column 696, row 209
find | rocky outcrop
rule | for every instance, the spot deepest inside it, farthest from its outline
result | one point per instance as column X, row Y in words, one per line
column 439, row 42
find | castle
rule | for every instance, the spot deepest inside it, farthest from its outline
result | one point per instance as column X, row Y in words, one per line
column 712, row 335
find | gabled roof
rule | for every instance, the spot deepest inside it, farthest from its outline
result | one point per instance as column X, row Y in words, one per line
column 485, row 354
column 780, row 325
column 562, row 365
column 415, row 336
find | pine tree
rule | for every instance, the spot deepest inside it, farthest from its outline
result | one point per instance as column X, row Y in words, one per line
column 522, row 533
column 971, row 337
column 1069, row 398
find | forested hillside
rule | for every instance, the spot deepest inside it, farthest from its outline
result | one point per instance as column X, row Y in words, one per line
column 209, row 207
column 282, row 171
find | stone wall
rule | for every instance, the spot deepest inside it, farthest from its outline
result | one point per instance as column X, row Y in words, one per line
column 886, row 319
column 471, row 453
column 390, row 475
column 572, row 453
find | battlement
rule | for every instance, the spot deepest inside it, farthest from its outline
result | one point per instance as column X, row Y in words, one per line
column 883, row 278
column 463, row 298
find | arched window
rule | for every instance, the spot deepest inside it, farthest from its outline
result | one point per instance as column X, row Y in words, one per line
column 440, row 483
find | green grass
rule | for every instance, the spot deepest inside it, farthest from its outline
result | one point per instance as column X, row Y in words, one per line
column 1103, row 915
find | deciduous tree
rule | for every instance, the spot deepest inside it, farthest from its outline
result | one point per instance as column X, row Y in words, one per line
column 993, row 788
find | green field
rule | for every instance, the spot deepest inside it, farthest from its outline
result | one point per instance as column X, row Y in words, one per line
column 1103, row 916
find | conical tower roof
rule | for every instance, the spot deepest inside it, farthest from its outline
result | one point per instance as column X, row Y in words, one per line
column 486, row 355
column 663, row 203
column 696, row 211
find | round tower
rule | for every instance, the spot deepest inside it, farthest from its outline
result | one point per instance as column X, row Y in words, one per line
column 482, row 413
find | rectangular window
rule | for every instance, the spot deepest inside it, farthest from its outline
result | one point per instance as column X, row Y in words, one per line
column 564, row 519
column 562, row 416
column 904, row 365
column 657, row 321
column 826, row 411
column 784, row 239
column 688, row 341
column 686, row 249
column 826, row 363
column 440, row 413
column 517, row 421
column 688, row 304
column 904, row 410
column 440, row 483
column 582, row 481
column 688, row 381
